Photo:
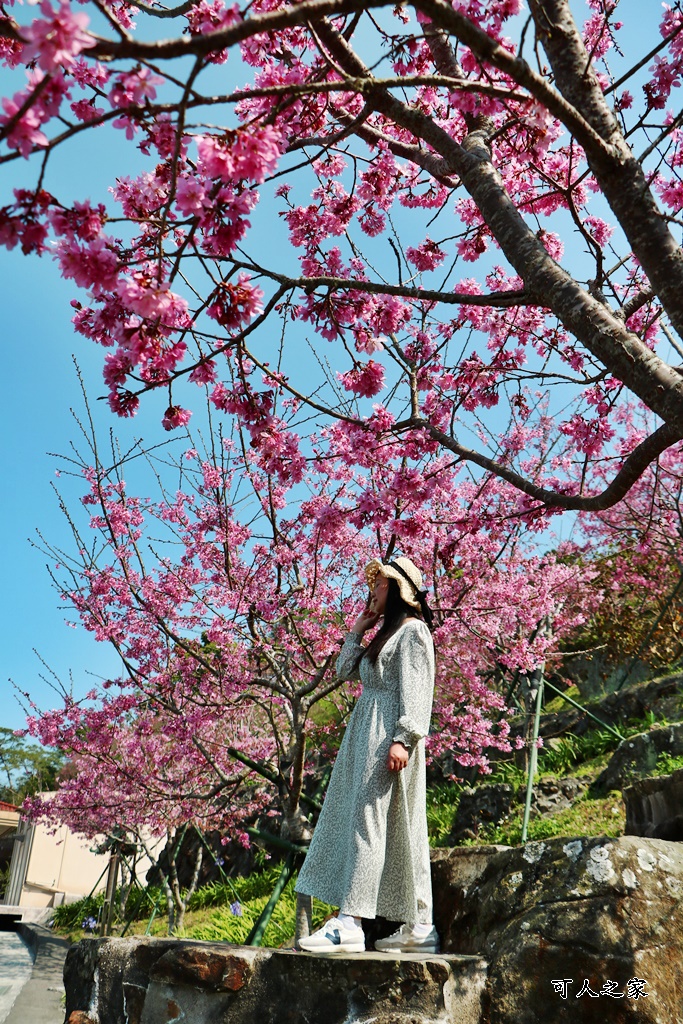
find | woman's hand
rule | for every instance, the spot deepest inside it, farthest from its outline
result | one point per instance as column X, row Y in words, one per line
column 366, row 620
column 397, row 758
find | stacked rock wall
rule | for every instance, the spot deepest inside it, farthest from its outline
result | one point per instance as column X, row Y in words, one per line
column 166, row 981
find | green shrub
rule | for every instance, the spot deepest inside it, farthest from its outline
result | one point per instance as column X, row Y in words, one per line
column 72, row 915
column 506, row 772
column 570, row 751
column 666, row 764
column 442, row 804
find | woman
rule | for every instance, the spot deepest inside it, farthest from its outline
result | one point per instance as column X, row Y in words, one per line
column 369, row 854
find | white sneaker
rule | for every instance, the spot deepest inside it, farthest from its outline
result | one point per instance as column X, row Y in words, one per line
column 405, row 940
column 334, row 937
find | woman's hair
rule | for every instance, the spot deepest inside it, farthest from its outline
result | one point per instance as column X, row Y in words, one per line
column 396, row 611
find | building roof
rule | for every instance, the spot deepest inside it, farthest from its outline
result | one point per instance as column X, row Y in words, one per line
column 7, row 807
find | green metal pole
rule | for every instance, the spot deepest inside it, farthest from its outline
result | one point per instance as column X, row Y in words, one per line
column 533, row 753
column 590, row 714
column 255, row 936
column 148, row 929
column 272, row 840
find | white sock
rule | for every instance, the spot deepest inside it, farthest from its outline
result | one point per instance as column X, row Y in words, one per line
column 422, row 930
column 348, row 920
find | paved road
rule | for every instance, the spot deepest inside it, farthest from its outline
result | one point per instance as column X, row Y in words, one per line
column 16, row 964
column 31, row 965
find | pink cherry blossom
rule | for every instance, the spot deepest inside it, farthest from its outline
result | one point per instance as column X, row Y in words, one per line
column 427, row 256
column 57, row 38
column 182, row 284
column 365, row 381
column 236, row 304
column 26, row 133
column 175, row 417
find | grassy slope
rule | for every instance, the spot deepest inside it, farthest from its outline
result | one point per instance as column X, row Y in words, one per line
column 571, row 756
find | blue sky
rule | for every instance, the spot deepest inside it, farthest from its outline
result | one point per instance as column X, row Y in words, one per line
column 38, row 387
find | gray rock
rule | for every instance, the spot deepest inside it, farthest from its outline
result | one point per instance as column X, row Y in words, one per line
column 654, row 807
column 154, row 981
column 591, row 910
column 636, row 757
column 596, row 675
column 553, row 795
column 486, row 804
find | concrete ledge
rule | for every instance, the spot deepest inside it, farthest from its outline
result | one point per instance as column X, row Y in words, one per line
column 33, row 915
column 156, row 981
column 40, row 1000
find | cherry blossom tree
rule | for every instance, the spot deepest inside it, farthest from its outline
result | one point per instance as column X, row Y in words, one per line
column 636, row 550
column 396, row 143
column 226, row 597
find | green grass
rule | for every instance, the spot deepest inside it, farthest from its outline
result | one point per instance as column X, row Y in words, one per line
column 666, row 764
column 586, row 817
column 442, row 803
column 224, row 926
column 210, row 915
column 582, row 756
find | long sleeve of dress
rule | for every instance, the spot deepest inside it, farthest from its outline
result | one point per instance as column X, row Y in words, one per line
column 415, row 670
column 347, row 660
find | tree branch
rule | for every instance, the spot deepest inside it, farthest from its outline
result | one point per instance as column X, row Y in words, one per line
column 618, row 172
column 201, row 45
column 499, row 300
column 488, row 49
column 633, row 468
column 591, row 322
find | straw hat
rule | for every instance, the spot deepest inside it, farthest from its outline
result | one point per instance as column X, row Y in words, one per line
column 406, row 574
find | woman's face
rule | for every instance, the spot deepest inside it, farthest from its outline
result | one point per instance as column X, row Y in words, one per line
column 379, row 595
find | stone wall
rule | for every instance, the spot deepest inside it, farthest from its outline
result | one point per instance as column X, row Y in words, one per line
column 166, row 981
column 654, row 807
column 568, row 931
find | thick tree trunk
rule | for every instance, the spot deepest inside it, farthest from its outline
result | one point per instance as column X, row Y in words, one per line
column 618, row 172
column 602, row 332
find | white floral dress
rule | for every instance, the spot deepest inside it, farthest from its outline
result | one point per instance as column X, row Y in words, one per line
column 369, row 854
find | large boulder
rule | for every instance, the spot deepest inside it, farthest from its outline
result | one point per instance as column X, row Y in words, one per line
column 550, row 796
column 636, row 757
column 554, row 917
column 596, row 674
column 654, row 807
column 482, row 805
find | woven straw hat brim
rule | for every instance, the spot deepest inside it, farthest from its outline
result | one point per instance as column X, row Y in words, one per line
column 406, row 590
